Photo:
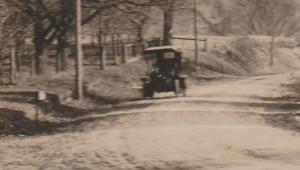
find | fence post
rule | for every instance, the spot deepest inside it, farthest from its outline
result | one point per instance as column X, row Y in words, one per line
column 100, row 55
column 103, row 58
column 133, row 48
column 129, row 51
column 12, row 64
column 32, row 65
column 124, row 53
column 119, row 45
column 205, row 45
column 114, row 49
column 19, row 54
column 141, row 49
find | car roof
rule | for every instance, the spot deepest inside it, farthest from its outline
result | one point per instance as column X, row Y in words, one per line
column 163, row 48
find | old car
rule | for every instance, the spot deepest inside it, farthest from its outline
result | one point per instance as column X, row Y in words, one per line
column 164, row 71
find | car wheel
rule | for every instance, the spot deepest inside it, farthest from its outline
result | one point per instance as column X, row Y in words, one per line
column 147, row 90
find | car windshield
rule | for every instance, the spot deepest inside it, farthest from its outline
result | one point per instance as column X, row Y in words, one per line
column 168, row 55
column 161, row 55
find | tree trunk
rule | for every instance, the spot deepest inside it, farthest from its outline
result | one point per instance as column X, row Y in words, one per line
column 61, row 53
column 168, row 26
column 57, row 63
column 39, row 54
column 140, row 36
column 61, row 65
column 101, row 40
column 63, row 60
column 1, row 34
column 103, row 58
column 39, row 41
column 101, row 51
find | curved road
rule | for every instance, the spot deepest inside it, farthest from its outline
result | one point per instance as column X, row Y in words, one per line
column 219, row 126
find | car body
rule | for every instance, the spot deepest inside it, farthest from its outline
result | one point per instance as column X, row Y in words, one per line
column 164, row 71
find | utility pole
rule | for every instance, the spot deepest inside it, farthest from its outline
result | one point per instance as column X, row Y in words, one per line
column 196, row 32
column 272, row 45
column 272, row 50
column 79, row 56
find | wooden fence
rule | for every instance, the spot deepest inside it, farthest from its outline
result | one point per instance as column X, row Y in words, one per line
column 108, row 54
column 122, row 53
column 111, row 54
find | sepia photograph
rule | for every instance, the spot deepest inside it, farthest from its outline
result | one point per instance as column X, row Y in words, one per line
column 149, row 84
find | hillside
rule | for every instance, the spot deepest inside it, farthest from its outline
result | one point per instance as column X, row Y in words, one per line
column 245, row 55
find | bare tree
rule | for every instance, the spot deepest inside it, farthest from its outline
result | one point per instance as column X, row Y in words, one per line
column 222, row 20
column 266, row 17
column 13, row 25
column 138, row 17
column 53, row 19
column 168, row 8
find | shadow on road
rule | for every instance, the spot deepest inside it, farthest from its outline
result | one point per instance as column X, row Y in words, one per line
column 285, row 121
column 15, row 123
column 291, row 120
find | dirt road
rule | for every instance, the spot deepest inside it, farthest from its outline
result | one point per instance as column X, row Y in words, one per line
column 219, row 126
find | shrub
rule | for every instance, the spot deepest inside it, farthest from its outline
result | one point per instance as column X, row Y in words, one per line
column 244, row 47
